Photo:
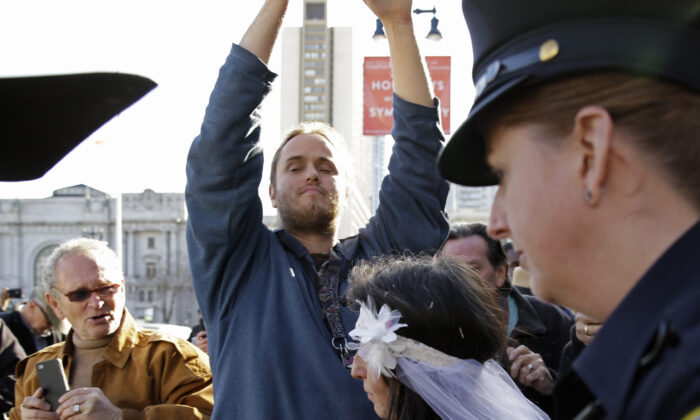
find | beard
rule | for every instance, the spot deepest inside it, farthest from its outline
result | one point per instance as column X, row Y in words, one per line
column 314, row 216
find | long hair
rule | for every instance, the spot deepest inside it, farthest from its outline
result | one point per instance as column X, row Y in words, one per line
column 445, row 305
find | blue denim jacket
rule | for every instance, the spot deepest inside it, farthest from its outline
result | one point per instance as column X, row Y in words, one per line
column 270, row 350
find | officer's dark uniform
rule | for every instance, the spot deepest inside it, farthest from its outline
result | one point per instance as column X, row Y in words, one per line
column 645, row 361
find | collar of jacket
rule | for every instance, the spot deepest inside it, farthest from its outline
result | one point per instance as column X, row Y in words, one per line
column 118, row 350
column 608, row 368
column 300, row 252
column 529, row 322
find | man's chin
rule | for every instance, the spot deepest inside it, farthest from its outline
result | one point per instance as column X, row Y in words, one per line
column 310, row 218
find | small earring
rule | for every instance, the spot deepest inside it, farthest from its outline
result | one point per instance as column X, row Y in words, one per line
column 589, row 196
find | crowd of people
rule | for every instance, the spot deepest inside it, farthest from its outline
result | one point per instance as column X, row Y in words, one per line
column 577, row 300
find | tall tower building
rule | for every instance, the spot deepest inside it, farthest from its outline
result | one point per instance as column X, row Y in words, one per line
column 322, row 81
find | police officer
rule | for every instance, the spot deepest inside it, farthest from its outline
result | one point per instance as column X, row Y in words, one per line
column 587, row 115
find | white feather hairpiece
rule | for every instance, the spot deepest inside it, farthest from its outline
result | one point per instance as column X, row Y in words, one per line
column 379, row 345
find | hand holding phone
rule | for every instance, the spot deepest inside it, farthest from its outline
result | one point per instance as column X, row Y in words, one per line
column 53, row 381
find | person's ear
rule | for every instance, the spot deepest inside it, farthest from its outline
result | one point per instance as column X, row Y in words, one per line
column 273, row 195
column 593, row 129
column 501, row 272
column 53, row 303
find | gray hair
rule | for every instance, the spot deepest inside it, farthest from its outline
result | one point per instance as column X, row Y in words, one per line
column 99, row 251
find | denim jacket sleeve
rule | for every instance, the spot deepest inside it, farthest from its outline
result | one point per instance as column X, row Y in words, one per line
column 410, row 215
column 224, row 170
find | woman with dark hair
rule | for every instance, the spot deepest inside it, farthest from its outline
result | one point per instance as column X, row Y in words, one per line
column 587, row 117
column 427, row 353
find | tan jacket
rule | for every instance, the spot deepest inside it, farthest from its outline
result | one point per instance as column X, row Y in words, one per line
column 148, row 374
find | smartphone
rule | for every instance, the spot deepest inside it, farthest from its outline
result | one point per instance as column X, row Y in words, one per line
column 14, row 293
column 53, row 380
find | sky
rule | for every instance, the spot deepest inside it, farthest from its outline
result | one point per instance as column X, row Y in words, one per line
column 180, row 45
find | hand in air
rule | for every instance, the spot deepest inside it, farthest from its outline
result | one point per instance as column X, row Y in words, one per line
column 390, row 10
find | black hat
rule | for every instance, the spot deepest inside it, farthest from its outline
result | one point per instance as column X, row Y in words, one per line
column 521, row 43
column 43, row 118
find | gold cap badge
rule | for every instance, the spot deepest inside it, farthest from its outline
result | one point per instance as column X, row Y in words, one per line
column 548, row 50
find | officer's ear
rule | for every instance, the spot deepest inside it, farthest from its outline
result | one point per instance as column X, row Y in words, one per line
column 593, row 130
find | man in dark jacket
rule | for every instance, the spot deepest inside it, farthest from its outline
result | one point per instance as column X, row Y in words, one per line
column 538, row 330
column 34, row 323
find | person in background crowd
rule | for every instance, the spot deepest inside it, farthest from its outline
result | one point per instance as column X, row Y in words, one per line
column 4, row 299
column 34, row 323
column 198, row 335
column 273, row 299
column 521, row 281
column 11, row 352
column 587, row 116
column 538, row 330
column 428, row 329
column 114, row 370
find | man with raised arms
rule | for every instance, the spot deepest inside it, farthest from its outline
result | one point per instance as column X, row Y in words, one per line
column 271, row 300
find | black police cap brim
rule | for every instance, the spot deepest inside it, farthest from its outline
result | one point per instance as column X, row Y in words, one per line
column 42, row 118
column 463, row 159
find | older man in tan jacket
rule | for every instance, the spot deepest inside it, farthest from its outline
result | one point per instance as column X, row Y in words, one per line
column 114, row 370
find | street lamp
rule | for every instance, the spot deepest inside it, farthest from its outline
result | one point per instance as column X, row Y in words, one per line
column 379, row 32
column 433, row 35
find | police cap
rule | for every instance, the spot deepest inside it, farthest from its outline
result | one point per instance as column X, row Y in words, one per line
column 520, row 43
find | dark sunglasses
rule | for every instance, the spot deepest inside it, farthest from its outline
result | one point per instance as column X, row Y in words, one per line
column 84, row 294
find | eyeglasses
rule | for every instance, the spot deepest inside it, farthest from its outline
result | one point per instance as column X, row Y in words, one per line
column 81, row 295
column 38, row 305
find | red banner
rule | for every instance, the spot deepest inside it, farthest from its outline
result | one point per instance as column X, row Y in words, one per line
column 378, row 90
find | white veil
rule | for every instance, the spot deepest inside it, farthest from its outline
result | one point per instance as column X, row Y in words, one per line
column 454, row 388
column 467, row 390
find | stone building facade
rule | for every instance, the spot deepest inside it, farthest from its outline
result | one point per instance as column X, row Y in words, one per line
column 149, row 226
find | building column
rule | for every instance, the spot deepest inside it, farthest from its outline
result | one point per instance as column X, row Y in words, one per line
column 168, row 252
column 130, row 253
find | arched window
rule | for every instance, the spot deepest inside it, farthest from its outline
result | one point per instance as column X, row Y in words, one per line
column 39, row 262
